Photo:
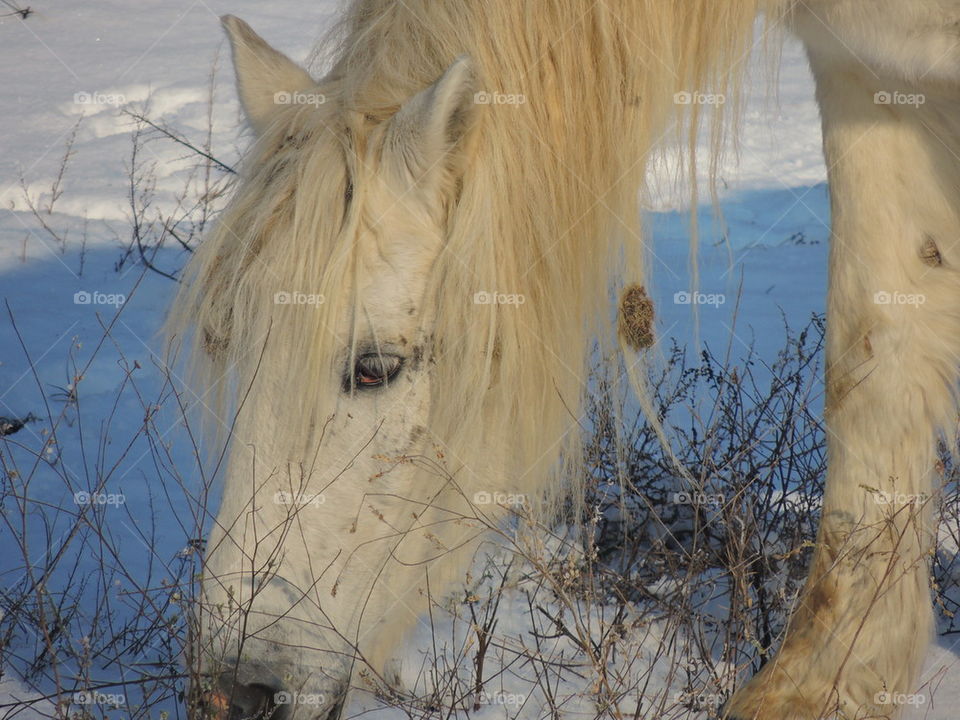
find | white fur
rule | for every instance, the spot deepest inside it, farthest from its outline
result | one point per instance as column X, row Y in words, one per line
column 888, row 86
column 446, row 194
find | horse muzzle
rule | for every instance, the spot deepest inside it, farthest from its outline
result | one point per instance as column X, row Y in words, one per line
column 250, row 691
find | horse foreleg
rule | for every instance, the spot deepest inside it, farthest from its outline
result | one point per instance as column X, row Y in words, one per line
column 858, row 635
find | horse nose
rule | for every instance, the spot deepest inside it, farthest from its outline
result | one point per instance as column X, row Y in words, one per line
column 253, row 690
column 253, row 702
column 238, row 701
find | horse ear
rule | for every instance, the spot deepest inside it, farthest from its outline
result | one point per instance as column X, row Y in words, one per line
column 263, row 74
column 431, row 127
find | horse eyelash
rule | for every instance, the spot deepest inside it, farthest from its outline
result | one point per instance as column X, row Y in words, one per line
column 349, row 384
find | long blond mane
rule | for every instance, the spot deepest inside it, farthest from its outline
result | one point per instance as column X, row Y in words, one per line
column 547, row 209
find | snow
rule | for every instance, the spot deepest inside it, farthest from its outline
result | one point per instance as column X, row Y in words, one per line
column 71, row 63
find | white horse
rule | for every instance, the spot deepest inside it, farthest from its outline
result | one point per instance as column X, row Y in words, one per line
column 397, row 304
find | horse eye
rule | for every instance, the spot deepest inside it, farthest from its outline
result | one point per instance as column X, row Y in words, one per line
column 375, row 369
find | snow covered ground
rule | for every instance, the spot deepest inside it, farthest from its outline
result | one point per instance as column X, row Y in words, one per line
column 70, row 69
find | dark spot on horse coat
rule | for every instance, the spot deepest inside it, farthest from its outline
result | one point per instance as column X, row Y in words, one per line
column 930, row 253
column 635, row 322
